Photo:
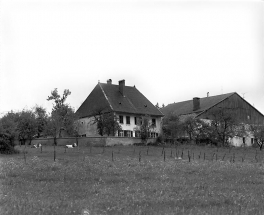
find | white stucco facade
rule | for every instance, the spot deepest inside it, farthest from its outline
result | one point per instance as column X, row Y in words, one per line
column 88, row 128
column 131, row 124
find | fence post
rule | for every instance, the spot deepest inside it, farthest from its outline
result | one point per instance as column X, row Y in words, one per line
column 54, row 153
column 112, row 155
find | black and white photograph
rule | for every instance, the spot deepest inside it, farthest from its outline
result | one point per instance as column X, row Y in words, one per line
column 131, row 107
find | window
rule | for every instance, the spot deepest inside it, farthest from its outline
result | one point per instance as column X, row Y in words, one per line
column 252, row 140
column 121, row 119
column 244, row 140
column 154, row 122
column 128, row 133
column 137, row 133
column 135, row 120
column 128, row 120
column 121, row 133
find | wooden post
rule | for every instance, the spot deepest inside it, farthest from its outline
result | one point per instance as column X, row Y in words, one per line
column 112, row 155
column 189, row 157
column 25, row 156
column 139, row 156
column 164, row 155
column 54, row 153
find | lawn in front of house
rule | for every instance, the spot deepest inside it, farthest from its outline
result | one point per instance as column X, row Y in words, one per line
column 133, row 180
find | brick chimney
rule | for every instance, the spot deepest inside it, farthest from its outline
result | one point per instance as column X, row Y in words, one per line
column 122, row 87
column 196, row 103
column 109, row 81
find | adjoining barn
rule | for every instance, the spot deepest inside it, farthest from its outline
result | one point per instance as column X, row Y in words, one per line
column 202, row 108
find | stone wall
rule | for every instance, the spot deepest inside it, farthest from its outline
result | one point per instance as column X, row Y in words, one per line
column 94, row 141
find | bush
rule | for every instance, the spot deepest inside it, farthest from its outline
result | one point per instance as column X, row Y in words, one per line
column 7, row 145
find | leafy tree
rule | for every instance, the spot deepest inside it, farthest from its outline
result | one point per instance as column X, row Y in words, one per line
column 26, row 126
column 41, row 119
column 62, row 115
column 190, row 126
column 258, row 132
column 224, row 125
column 8, row 132
column 107, row 122
column 172, row 127
column 8, row 125
column 144, row 126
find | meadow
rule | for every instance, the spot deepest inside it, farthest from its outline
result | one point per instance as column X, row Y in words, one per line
column 132, row 180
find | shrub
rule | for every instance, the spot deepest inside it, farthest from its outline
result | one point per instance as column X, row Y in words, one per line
column 7, row 144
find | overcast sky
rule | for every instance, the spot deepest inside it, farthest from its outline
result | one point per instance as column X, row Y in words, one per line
column 171, row 50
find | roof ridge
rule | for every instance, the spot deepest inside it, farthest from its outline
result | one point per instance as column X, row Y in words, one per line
column 215, row 104
column 106, row 96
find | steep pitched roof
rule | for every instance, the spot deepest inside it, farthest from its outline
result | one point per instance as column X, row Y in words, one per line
column 186, row 107
column 109, row 96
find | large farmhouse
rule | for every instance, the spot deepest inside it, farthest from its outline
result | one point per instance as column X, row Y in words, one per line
column 201, row 108
column 127, row 103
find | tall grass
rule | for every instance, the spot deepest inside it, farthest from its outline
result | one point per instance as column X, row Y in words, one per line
column 80, row 182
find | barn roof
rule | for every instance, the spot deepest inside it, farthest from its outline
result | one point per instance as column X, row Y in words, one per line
column 186, row 107
column 108, row 96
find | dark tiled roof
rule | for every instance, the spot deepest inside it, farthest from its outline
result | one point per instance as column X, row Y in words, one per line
column 186, row 107
column 108, row 95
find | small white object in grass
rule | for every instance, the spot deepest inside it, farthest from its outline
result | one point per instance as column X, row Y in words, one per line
column 36, row 145
column 69, row 146
column 179, row 158
column 74, row 145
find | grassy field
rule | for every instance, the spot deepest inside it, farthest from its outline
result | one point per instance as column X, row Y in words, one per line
column 133, row 180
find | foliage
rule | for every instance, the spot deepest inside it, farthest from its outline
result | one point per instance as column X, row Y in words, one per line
column 106, row 121
column 59, row 100
column 224, row 123
column 62, row 115
column 6, row 144
column 197, row 129
column 26, row 126
column 144, row 126
column 41, row 119
column 172, row 127
column 258, row 133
